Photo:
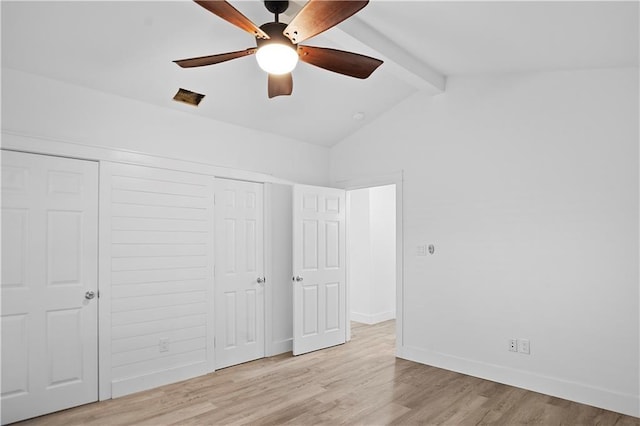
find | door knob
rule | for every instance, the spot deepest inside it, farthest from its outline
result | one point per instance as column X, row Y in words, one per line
column 89, row 295
column 298, row 278
column 261, row 280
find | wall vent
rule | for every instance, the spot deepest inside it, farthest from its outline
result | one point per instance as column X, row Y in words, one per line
column 188, row 97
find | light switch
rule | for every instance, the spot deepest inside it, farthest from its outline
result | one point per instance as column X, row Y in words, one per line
column 422, row 250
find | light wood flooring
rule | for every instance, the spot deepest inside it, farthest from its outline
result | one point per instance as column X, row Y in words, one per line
column 360, row 382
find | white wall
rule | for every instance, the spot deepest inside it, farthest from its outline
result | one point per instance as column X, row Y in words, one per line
column 527, row 184
column 382, row 208
column 372, row 250
column 37, row 106
column 359, row 246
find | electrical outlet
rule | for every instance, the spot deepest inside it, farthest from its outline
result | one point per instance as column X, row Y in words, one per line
column 163, row 344
column 523, row 346
column 513, row 345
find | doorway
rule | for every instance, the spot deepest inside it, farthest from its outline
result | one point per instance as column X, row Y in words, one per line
column 371, row 244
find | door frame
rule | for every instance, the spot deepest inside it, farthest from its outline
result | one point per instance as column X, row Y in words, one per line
column 372, row 182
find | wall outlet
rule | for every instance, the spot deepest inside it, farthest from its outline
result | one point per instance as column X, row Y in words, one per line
column 163, row 344
column 523, row 346
column 513, row 345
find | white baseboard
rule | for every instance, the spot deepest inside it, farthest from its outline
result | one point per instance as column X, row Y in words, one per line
column 122, row 387
column 579, row 392
column 372, row 318
column 281, row 347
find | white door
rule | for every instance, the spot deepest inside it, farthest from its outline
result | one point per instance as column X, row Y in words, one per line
column 318, row 268
column 49, row 267
column 239, row 277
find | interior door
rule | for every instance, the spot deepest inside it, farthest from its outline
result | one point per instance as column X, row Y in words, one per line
column 319, row 268
column 49, row 284
column 239, row 276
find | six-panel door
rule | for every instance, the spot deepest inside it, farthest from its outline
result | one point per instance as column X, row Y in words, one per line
column 49, row 269
column 239, row 296
column 319, row 268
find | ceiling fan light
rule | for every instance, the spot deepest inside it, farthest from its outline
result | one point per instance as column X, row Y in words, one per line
column 276, row 58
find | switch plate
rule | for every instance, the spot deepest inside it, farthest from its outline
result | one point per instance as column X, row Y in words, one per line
column 523, row 346
column 513, row 345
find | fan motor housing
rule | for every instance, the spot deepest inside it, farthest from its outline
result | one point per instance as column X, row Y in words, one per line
column 276, row 7
column 274, row 30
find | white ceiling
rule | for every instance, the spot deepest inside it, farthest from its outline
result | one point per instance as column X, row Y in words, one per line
column 126, row 48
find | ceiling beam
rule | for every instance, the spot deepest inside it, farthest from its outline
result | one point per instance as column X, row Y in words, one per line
column 354, row 31
column 399, row 60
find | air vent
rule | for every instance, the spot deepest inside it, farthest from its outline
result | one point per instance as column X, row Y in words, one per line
column 188, row 97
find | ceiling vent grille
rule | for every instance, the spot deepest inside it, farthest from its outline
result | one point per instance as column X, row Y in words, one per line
column 188, row 97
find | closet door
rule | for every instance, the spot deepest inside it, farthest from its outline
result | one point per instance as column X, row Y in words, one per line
column 49, row 284
column 239, row 276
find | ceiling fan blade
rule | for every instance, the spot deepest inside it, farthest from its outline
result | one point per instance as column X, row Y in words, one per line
column 280, row 85
column 347, row 63
column 320, row 15
column 232, row 15
column 214, row 59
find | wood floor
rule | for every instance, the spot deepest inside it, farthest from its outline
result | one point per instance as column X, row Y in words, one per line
column 360, row 382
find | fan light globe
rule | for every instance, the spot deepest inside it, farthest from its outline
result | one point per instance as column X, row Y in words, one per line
column 276, row 58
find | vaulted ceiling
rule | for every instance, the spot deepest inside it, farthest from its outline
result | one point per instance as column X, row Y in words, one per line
column 126, row 48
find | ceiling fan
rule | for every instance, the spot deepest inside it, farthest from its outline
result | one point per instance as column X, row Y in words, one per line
column 277, row 44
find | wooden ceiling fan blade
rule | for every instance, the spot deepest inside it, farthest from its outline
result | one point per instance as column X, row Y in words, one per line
column 347, row 63
column 318, row 16
column 280, row 85
column 232, row 15
column 214, row 59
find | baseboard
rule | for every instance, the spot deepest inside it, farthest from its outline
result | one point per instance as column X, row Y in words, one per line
column 579, row 392
column 122, row 387
column 372, row 318
column 281, row 347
